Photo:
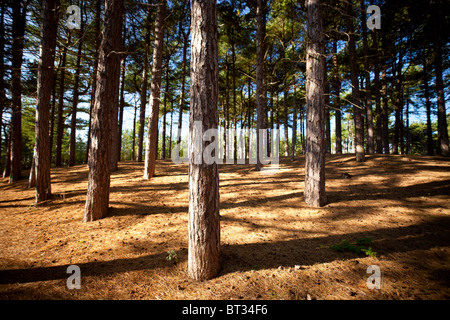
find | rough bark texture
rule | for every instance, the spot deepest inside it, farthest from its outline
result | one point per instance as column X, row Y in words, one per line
column 369, row 112
column 377, row 88
column 97, row 200
column 315, row 107
column 359, row 125
column 337, row 100
column 140, row 141
column 18, row 31
column 42, row 160
column 73, row 123
column 204, row 224
column 260, row 98
column 155, row 87
column 443, row 144
column 60, row 119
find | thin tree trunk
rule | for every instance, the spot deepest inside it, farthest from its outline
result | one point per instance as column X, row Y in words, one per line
column 97, row 200
column 3, row 100
column 368, row 88
column 430, row 149
column 73, row 123
column 294, row 122
column 204, row 223
column 60, row 118
column 94, row 82
column 140, row 142
column 385, row 111
column 377, row 88
column 182, row 90
column 337, row 100
column 121, row 105
column 359, row 125
column 315, row 109
column 152, row 126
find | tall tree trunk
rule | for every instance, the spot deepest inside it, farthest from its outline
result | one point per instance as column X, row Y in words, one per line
column 377, row 88
column 140, row 142
column 166, row 92
column 315, row 106
column 94, row 82
column 121, row 104
column 73, row 123
column 337, row 100
column 114, row 120
column 97, row 200
column 260, row 97
column 385, row 113
column 359, row 125
column 155, row 87
column 3, row 100
column 430, row 148
column 18, row 32
column 204, row 223
column 368, row 89
column 182, row 88
column 326, row 98
column 286, row 122
column 44, row 91
column 60, row 118
column 443, row 144
column 294, row 122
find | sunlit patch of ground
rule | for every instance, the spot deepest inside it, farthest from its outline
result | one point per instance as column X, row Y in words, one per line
column 274, row 246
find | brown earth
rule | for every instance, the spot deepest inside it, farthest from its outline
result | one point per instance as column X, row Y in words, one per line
column 273, row 245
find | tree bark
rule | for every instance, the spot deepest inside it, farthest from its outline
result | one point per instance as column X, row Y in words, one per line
column 155, row 87
column 97, row 200
column 385, row 112
column 368, row 89
column 443, row 143
column 204, row 223
column 260, row 98
column 377, row 88
column 44, row 90
column 337, row 99
column 430, row 149
column 315, row 107
column 60, row 118
column 140, row 141
column 359, row 125
column 75, row 97
column 17, row 46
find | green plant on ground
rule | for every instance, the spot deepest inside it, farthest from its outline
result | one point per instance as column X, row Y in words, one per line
column 358, row 247
column 172, row 256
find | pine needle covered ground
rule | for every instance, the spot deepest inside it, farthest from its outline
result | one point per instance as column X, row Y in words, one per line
column 273, row 245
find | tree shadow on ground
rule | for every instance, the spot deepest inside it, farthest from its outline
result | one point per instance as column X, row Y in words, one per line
column 262, row 255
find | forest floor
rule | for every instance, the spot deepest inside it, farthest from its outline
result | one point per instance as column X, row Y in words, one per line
column 274, row 246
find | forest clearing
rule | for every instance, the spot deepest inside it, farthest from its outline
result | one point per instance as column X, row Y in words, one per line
column 273, row 245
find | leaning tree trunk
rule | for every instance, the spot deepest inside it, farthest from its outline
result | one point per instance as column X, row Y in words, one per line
column 42, row 160
column 204, row 223
column 97, row 200
column 155, row 87
column 358, row 118
column 315, row 107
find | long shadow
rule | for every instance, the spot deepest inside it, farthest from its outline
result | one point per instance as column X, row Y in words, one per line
column 267, row 255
